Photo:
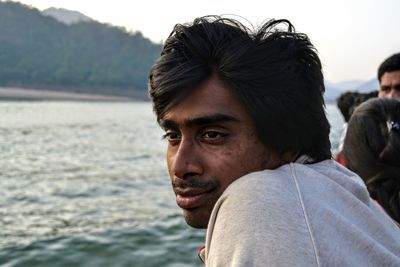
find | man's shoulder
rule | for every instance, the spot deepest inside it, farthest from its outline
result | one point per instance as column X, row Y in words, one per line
column 266, row 203
column 296, row 191
column 295, row 176
column 263, row 185
column 306, row 210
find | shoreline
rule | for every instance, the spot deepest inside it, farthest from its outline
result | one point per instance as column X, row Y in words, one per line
column 21, row 94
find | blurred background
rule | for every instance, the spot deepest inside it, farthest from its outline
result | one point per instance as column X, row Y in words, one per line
column 83, row 179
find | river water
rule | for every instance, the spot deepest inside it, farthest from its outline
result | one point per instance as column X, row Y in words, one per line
column 85, row 184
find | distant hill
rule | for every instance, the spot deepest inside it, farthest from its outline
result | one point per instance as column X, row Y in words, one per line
column 38, row 51
column 368, row 86
column 334, row 90
column 66, row 16
column 345, row 85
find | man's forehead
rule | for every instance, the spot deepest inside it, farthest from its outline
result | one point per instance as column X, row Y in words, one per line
column 211, row 102
column 391, row 77
column 171, row 121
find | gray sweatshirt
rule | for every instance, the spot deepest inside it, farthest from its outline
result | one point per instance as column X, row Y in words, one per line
column 300, row 215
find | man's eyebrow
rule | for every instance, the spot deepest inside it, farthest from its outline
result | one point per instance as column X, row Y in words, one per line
column 199, row 121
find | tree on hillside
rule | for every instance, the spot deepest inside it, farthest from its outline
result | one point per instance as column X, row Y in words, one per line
column 38, row 51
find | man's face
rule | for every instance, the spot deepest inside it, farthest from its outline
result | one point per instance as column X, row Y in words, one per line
column 212, row 142
column 390, row 85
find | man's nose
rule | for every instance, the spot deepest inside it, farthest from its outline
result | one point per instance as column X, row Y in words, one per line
column 187, row 161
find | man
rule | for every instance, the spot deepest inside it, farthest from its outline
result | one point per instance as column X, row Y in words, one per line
column 389, row 77
column 249, row 152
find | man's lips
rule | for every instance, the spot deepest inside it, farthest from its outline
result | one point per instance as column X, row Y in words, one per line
column 191, row 198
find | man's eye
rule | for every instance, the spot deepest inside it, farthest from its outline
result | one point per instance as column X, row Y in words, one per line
column 213, row 135
column 385, row 88
column 172, row 136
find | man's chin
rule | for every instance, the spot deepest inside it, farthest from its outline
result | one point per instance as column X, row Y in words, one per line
column 196, row 219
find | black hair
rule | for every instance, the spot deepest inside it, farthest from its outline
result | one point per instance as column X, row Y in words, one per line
column 372, row 150
column 392, row 63
column 348, row 101
column 274, row 72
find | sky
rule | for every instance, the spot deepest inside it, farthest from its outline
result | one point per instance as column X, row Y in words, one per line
column 352, row 36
